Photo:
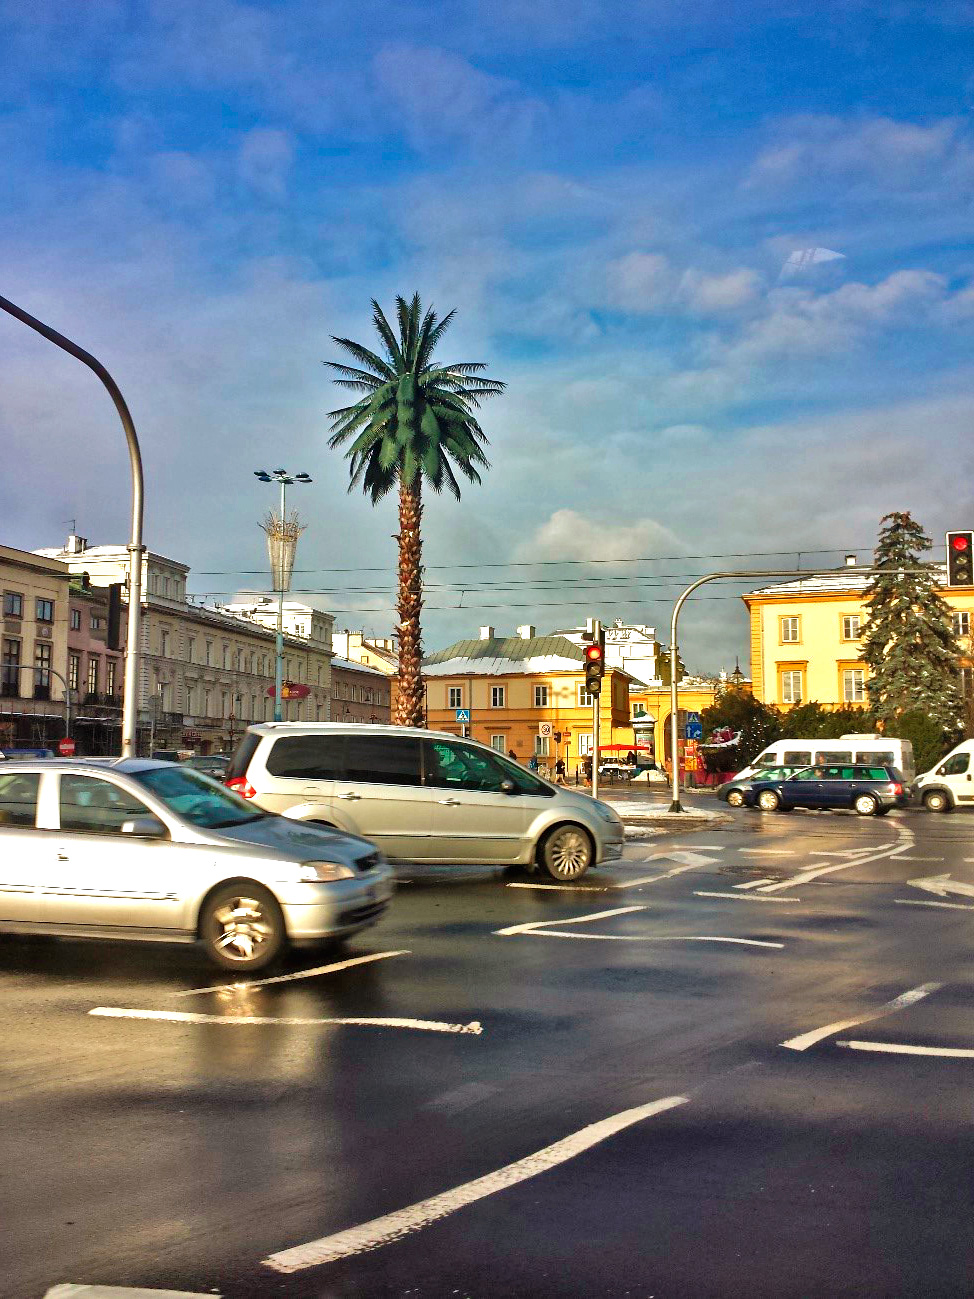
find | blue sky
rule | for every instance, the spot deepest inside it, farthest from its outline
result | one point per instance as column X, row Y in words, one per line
column 202, row 194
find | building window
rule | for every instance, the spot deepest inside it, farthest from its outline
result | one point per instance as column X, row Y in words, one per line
column 45, row 611
column 13, row 604
column 585, row 700
column 97, row 622
column 585, row 743
column 75, row 619
column 853, row 685
column 541, row 694
column 497, row 696
column 206, row 703
column 454, row 697
column 42, row 673
column 790, row 630
column 10, row 679
column 111, row 672
column 791, row 686
column 226, row 656
column 498, row 743
column 542, row 746
column 961, row 623
column 851, row 625
column 191, row 649
column 74, row 670
column 209, row 653
column 164, row 644
column 92, row 675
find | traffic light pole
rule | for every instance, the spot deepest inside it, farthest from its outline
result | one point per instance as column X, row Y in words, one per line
column 743, row 574
column 595, row 742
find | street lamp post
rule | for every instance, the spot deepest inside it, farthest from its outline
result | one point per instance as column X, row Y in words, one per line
column 282, row 539
column 130, row 702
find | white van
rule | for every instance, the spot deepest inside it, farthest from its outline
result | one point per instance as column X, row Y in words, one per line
column 950, row 783
column 872, row 750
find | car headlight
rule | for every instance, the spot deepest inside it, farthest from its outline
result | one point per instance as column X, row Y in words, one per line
column 606, row 813
column 324, row 872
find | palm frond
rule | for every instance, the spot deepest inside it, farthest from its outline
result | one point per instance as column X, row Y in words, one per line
column 388, row 337
column 363, row 354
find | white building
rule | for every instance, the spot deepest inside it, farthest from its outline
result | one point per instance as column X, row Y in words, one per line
column 631, row 647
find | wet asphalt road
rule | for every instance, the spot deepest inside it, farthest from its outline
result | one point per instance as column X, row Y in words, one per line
column 186, row 1153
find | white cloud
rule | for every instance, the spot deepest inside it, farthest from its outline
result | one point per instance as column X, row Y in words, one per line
column 264, row 161
column 715, row 294
column 568, row 534
column 639, row 282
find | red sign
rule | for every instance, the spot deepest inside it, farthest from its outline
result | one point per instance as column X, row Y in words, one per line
column 66, row 748
column 290, row 690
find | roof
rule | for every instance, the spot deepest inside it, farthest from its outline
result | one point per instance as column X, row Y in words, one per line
column 830, row 584
column 349, row 665
column 500, row 656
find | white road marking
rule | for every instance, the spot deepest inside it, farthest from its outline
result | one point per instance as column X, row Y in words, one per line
column 905, row 858
column 394, row 1226
column 942, row 885
column 741, row 897
column 189, row 1017
column 767, row 852
column 909, row 998
column 652, row 938
column 289, row 978
column 905, row 835
column 923, row 902
column 572, row 920
column 846, row 852
column 753, row 884
column 564, row 888
column 896, row 1048
column 67, row 1290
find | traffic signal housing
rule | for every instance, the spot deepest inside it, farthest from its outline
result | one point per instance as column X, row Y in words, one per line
column 594, row 668
column 113, row 637
column 960, row 558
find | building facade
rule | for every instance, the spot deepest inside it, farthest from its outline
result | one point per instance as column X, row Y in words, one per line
column 33, row 648
column 359, row 693
column 377, row 652
column 511, row 685
column 805, row 640
column 95, row 673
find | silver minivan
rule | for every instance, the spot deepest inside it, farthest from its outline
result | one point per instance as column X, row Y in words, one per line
column 423, row 796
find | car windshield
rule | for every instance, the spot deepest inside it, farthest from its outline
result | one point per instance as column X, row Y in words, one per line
column 196, row 798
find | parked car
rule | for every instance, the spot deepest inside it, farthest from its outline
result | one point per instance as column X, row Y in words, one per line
column 950, row 783
column 871, row 791
column 423, row 796
column 733, row 791
column 211, row 764
column 129, row 848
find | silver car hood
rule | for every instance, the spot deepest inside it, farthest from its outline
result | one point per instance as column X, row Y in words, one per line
column 292, row 839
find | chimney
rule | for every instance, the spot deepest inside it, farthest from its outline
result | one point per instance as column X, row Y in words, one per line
column 76, row 545
column 486, row 633
column 527, row 632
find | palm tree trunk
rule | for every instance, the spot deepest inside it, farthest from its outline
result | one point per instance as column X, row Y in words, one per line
column 409, row 704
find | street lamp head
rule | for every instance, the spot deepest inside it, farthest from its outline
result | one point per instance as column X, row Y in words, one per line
column 263, row 475
column 303, row 478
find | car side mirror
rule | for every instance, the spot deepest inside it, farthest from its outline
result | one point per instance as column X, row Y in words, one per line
column 145, row 827
column 508, row 787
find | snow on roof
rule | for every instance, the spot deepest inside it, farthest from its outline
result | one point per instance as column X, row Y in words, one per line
column 852, row 583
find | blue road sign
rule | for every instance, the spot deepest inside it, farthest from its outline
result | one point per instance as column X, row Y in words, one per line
column 463, row 714
column 693, row 729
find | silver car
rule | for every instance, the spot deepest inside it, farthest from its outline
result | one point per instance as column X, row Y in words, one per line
column 423, row 796
column 137, row 849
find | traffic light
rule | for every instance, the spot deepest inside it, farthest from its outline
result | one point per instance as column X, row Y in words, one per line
column 113, row 634
column 594, row 668
column 960, row 558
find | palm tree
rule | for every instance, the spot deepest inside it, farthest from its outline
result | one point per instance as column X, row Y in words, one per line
column 414, row 423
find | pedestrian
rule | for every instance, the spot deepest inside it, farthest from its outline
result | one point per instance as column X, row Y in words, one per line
column 560, row 771
column 533, row 762
column 512, row 755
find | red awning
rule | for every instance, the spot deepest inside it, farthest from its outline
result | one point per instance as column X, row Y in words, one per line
column 625, row 748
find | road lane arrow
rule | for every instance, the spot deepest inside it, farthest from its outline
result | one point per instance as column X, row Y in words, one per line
column 685, row 857
column 942, row 885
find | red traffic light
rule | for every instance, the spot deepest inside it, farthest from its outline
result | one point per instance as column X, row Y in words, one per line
column 593, row 654
column 960, row 542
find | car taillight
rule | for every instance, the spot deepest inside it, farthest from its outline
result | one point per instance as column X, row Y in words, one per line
column 242, row 786
column 895, row 789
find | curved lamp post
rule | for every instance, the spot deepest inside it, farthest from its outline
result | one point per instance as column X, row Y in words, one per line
column 130, row 701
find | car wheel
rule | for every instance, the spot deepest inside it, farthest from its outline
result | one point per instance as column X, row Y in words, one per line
column 242, row 927
column 865, row 805
column 735, row 798
column 567, row 852
column 768, row 801
column 936, row 801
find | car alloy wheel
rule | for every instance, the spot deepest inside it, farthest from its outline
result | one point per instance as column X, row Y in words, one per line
column 768, row 800
column 567, row 852
column 936, row 801
column 866, row 805
column 242, row 927
column 735, row 798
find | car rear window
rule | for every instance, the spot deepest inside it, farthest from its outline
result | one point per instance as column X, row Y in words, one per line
column 242, row 755
column 18, row 798
column 307, row 757
column 876, row 773
column 383, row 759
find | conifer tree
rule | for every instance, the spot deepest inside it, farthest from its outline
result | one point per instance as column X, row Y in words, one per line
column 908, row 642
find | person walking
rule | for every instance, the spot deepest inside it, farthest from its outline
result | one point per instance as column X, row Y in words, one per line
column 560, row 771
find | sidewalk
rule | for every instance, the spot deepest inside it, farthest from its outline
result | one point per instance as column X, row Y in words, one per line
column 647, row 806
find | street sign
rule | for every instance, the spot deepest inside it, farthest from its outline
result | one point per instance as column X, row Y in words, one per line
column 66, row 748
column 463, row 715
column 545, row 729
column 693, row 729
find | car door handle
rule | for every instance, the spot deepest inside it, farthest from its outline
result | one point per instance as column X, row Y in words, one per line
column 449, row 802
column 350, row 798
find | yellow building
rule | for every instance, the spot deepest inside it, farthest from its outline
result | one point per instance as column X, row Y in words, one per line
column 34, row 659
column 513, row 684
column 805, row 639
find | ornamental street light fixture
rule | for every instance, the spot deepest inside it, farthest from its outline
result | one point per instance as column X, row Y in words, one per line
column 282, row 539
column 130, row 702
